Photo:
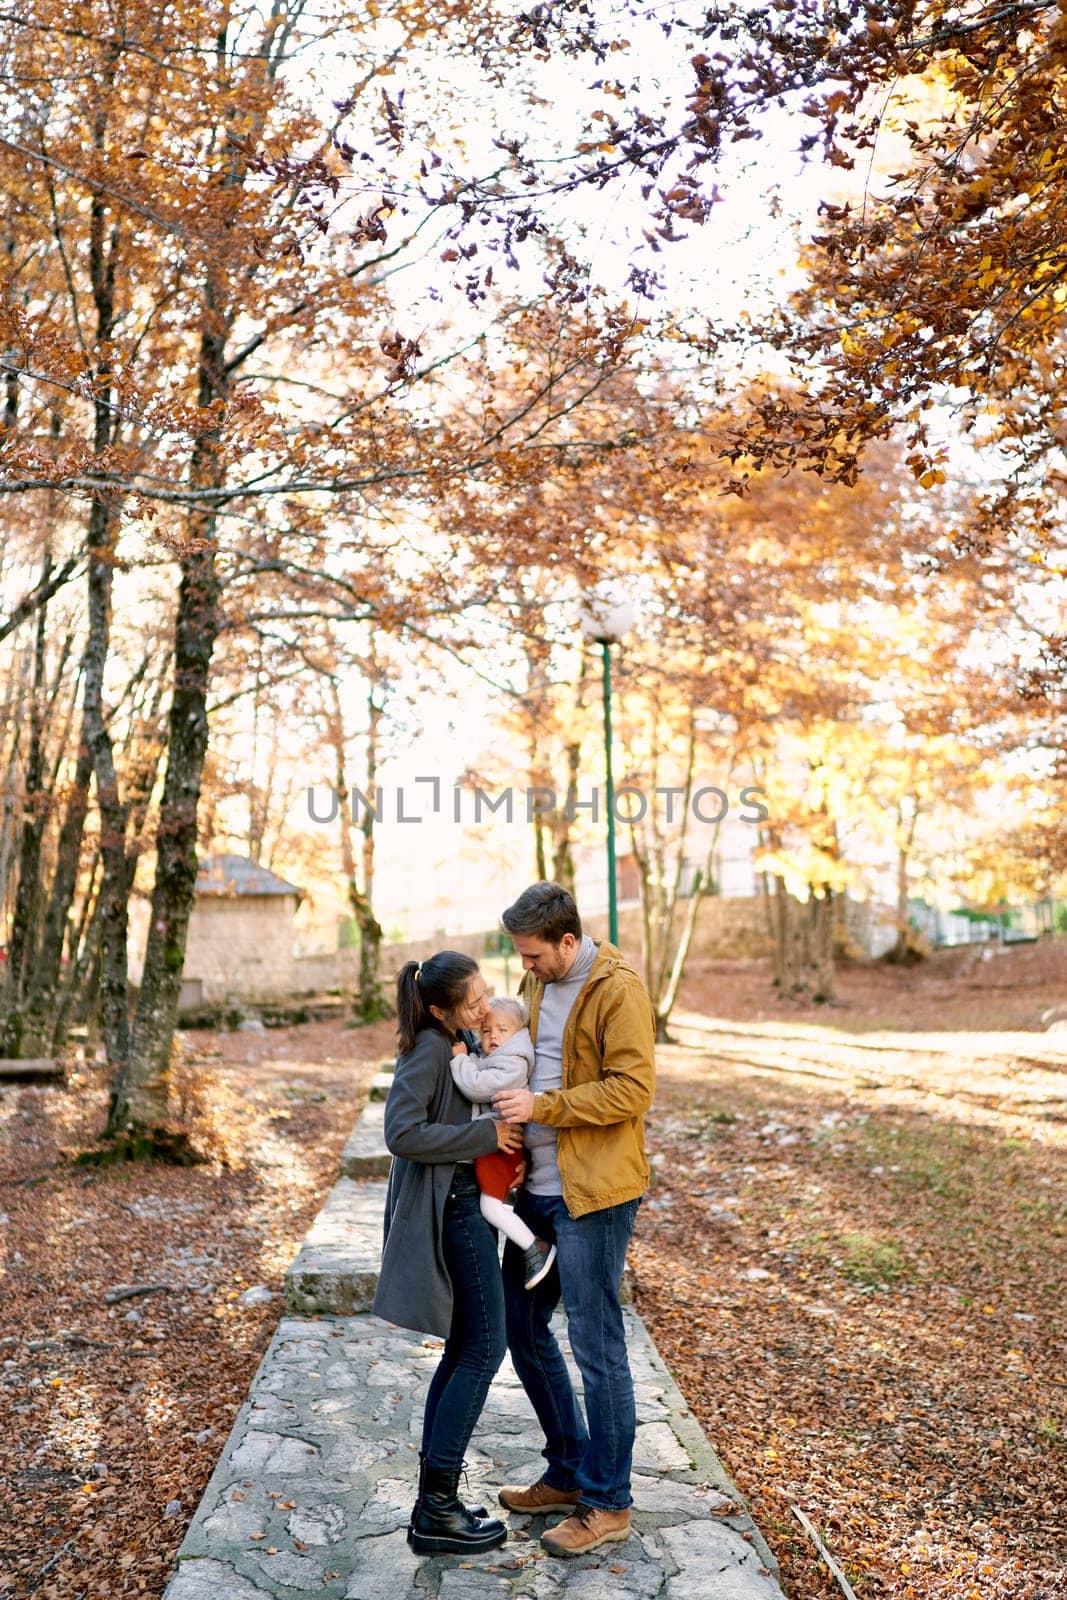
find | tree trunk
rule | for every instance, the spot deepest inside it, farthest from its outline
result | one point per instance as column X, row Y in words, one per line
column 562, row 849
column 764, row 891
column 673, row 954
column 540, row 855
column 140, row 1095
column 25, row 932
column 823, row 942
column 900, row 948
column 537, row 821
column 665, row 1002
column 113, row 915
column 804, row 921
column 560, row 823
column 563, row 860
column 81, row 983
column 792, row 941
column 781, row 932
column 12, row 714
column 821, row 949
column 905, row 842
column 258, row 796
column 371, row 1004
column 704, row 886
column 101, row 540
column 83, row 1010
column 40, row 1031
column 644, row 872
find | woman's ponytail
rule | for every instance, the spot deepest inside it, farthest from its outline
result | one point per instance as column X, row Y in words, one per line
column 411, row 1011
column 442, row 982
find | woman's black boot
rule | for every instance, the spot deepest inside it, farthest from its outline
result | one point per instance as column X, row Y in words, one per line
column 474, row 1511
column 441, row 1525
column 418, row 1496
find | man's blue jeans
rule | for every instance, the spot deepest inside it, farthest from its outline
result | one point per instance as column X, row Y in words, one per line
column 591, row 1253
column 475, row 1345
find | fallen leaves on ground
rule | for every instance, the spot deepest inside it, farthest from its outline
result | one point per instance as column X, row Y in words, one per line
column 114, row 1415
column 860, row 1291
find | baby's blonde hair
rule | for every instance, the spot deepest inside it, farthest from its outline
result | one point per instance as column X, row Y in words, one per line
column 512, row 1008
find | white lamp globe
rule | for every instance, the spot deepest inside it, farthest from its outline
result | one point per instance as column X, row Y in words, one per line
column 606, row 612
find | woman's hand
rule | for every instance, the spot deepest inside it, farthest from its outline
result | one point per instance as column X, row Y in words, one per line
column 508, row 1136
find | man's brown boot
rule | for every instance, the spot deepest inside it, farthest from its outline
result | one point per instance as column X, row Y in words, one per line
column 538, row 1498
column 587, row 1528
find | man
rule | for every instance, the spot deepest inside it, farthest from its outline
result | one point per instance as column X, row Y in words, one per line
column 593, row 1031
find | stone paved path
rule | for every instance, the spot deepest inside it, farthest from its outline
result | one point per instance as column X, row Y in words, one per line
column 314, row 1487
column 313, row 1491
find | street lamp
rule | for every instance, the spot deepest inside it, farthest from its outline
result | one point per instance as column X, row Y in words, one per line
column 606, row 615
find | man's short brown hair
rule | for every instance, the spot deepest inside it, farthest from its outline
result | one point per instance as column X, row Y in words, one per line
column 547, row 910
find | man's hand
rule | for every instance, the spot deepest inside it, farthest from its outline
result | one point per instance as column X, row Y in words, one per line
column 514, row 1105
column 508, row 1136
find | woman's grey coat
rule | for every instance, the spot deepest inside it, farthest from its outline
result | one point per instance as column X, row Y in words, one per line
column 428, row 1128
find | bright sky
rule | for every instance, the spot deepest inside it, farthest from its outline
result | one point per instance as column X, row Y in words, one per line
column 744, row 253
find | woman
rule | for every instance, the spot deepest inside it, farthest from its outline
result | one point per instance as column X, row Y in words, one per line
column 440, row 1271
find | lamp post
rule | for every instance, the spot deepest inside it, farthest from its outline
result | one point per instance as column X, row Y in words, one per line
column 605, row 616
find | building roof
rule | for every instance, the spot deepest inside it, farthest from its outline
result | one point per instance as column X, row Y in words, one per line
column 239, row 875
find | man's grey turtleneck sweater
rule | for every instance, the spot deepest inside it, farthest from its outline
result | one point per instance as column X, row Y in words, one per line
column 556, row 1002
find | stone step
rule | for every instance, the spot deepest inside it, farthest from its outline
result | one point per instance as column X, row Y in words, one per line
column 34, row 1069
column 315, row 1484
column 336, row 1268
column 380, row 1086
column 365, row 1155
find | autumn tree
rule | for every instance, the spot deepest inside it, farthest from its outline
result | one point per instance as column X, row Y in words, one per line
column 187, row 272
column 843, row 642
column 204, row 354
column 935, row 276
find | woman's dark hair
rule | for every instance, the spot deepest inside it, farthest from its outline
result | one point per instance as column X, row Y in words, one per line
column 442, row 982
column 546, row 910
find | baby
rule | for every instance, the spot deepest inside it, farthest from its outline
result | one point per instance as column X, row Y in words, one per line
column 506, row 1064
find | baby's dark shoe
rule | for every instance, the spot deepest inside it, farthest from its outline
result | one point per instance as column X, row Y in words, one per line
column 538, row 1258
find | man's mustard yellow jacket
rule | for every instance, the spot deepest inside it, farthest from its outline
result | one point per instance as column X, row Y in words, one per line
column 609, row 1073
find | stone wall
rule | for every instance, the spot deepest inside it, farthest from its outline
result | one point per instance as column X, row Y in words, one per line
column 871, row 927
column 394, row 955
column 240, row 948
column 326, row 969
column 726, row 929
column 736, row 928
column 339, row 969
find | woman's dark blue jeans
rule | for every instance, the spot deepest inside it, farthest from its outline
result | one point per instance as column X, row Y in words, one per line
column 476, row 1339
